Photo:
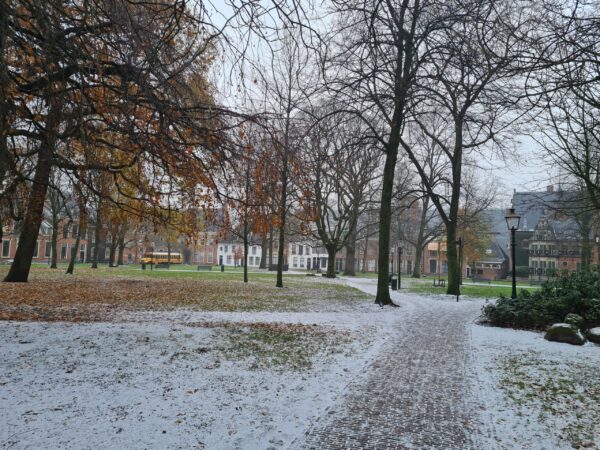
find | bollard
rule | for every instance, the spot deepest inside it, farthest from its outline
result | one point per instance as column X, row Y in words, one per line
column 394, row 284
column 222, row 267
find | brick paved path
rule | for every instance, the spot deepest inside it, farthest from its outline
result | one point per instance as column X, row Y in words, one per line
column 413, row 395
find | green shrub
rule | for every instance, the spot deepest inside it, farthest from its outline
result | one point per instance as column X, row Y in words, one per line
column 577, row 293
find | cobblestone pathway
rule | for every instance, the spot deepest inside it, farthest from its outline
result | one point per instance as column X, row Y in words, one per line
column 413, row 394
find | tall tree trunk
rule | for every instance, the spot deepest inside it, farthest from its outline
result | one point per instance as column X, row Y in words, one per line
column 263, row 251
column 365, row 254
column 97, row 235
column 416, row 273
column 453, row 287
column 121, row 245
column 280, row 256
column 385, row 219
column 330, row 261
column 54, row 242
column 113, row 251
column 270, row 246
column 246, row 251
column 88, row 247
column 452, row 256
column 420, row 239
column 19, row 270
column 350, row 269
column 282, row 218
column 80, row 232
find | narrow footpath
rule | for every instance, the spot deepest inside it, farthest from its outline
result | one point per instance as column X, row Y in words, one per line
column 414, row 394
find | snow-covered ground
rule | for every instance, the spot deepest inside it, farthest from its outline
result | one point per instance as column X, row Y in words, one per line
column 159, row 380
column 168, row 380
column 533, row 394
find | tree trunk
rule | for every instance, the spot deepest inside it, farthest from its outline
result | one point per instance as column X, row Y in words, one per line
column 246, row 252
column 113, row 251
column 97, row 238
column 385, row 219
column 270, row 247
column 54, row 242
column 365, row 254
column 280, row 255
column 121, row 246
column 350, row 269
column 452, row 255
column 420, row 239
column 330, row 262
column 416, row 273
column 282, row 217
column 19, row 270
column 88, row 247
column 263, row 252
column 75, row 249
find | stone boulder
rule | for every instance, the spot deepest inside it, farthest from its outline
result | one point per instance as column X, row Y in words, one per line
column 574, row 319
column 593, row 334
column 564, row 332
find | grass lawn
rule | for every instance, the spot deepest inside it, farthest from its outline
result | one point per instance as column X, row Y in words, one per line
column 466, row 289
column 103, row 293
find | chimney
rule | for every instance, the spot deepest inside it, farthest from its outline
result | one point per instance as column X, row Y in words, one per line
column 550, row 188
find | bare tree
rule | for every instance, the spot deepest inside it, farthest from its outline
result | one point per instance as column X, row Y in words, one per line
column 468, row 85
column 336, row 180
column 372, row 68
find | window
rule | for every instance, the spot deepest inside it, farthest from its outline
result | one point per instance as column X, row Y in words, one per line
column 301, row 262
column 229, row 259
column 251, row 260
column 226, row 248
column 294, row 250
column 371, row 265
column 75, row 230
column 307, row 250
column 295, row 261
column 209, row 257
column 257, row 259
column 63, row 252
column 5, row 249
column 300, row 249
column 65, row 233
column 233, row 249
column 220, row 248
column 254, row 250
column 48, row 251
column 35, row 250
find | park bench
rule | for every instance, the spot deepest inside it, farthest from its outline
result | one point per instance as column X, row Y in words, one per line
column 205, row 267
column 440, row 282
column 162, row 265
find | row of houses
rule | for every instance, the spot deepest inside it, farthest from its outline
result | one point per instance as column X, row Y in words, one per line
column 547, row 241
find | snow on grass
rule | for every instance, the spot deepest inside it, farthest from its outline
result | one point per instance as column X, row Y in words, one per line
column 535, row 394
column 179, row 379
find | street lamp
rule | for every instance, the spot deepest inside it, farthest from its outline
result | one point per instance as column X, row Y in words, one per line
column 459, row 243
column 512, row 222
column 399, row 267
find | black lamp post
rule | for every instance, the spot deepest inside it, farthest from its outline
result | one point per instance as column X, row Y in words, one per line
column 399, row 267
column 512, row 222
column 459, row 243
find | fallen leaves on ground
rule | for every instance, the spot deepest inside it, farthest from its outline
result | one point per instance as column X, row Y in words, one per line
column 81, row 298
